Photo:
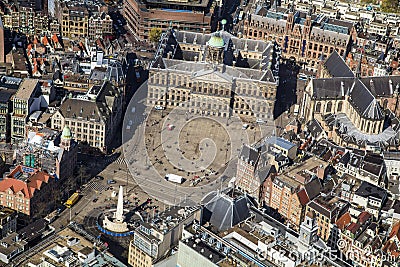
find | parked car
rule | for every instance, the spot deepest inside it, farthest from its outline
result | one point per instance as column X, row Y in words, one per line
column 159, row 108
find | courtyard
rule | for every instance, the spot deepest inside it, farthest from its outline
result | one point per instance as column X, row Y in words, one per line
column 196, row 148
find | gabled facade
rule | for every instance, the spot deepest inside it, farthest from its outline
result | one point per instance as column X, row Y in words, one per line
column 28, row 191
column 304, row 36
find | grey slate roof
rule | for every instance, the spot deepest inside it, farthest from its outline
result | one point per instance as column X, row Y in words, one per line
column 313, row 188
column 99, row 109
column 249, row 154
column 280, row 142
column 337, row 67
column 224, row 212
column 369, row 190
column 360, row 96
column 314, row 128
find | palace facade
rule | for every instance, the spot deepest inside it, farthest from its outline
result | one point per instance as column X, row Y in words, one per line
column 214, row 74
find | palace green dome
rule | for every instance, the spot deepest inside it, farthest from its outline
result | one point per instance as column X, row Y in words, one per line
column 66, row 133
column 216, row 40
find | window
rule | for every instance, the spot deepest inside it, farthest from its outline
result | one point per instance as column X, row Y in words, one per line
column 339, row 107
column 318, row 107
column 328, row 107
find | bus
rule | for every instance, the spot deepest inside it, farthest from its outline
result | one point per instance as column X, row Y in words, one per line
column 72, row 200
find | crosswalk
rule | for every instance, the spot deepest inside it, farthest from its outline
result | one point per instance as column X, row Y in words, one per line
column 119, row 161
column 95, row 186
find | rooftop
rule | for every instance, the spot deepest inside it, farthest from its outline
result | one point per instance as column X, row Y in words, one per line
column 6, row 212
column 166, row 221
column 329, row 206
column 203, row 248
column 280, row 142
column 27, row 88
column 369, row 190
column 183, row 3
column 24, row 179
column 10, row 244
column 67, row 244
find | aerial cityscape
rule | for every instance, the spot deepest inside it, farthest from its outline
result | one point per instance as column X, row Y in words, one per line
column 200, row 133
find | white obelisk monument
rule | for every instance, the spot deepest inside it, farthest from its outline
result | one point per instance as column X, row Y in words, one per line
column 117, row 221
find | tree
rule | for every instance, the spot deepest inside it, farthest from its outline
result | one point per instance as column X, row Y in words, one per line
column 155, row 34
column 390, row 6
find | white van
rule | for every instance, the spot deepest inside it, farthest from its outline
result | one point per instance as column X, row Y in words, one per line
column 159, row 108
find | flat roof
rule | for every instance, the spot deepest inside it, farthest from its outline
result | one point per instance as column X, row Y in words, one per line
column 187, row 3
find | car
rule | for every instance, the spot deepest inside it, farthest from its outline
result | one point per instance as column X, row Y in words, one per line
column 95, row 200
column 98, row 177
column 260, row 121
column 159, row 108
column 245, row 126
column 303, row 77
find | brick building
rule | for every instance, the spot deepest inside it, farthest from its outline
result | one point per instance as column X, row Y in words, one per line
column 8, row 87
column 302, row 36
column 24, row 17
column 143, row 15
column 328, row 210
column 26, row 100
column 100, row 26
column 252, row 170
column 28, row 191
column 74, row 21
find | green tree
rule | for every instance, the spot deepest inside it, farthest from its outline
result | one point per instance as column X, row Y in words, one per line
column 155, row 34
column 390, row 6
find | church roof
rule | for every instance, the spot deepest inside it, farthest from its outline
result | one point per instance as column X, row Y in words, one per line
column 337, row 67
column 360, row 96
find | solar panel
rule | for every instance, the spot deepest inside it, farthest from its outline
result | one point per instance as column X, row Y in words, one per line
column 17, row 174
column 27, row 169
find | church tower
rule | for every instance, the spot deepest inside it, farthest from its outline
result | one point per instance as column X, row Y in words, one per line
column 308, row 229
column 66, row 138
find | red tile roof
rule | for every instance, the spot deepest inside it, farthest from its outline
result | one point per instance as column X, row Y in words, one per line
column 395, row 231
column 15, row 185
column 343, row 221
column 302, row 194
column 28, row 187
column 54, row 38
column 363, row 217
column 45, row 40
column 353, row 227
column 391, row 247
